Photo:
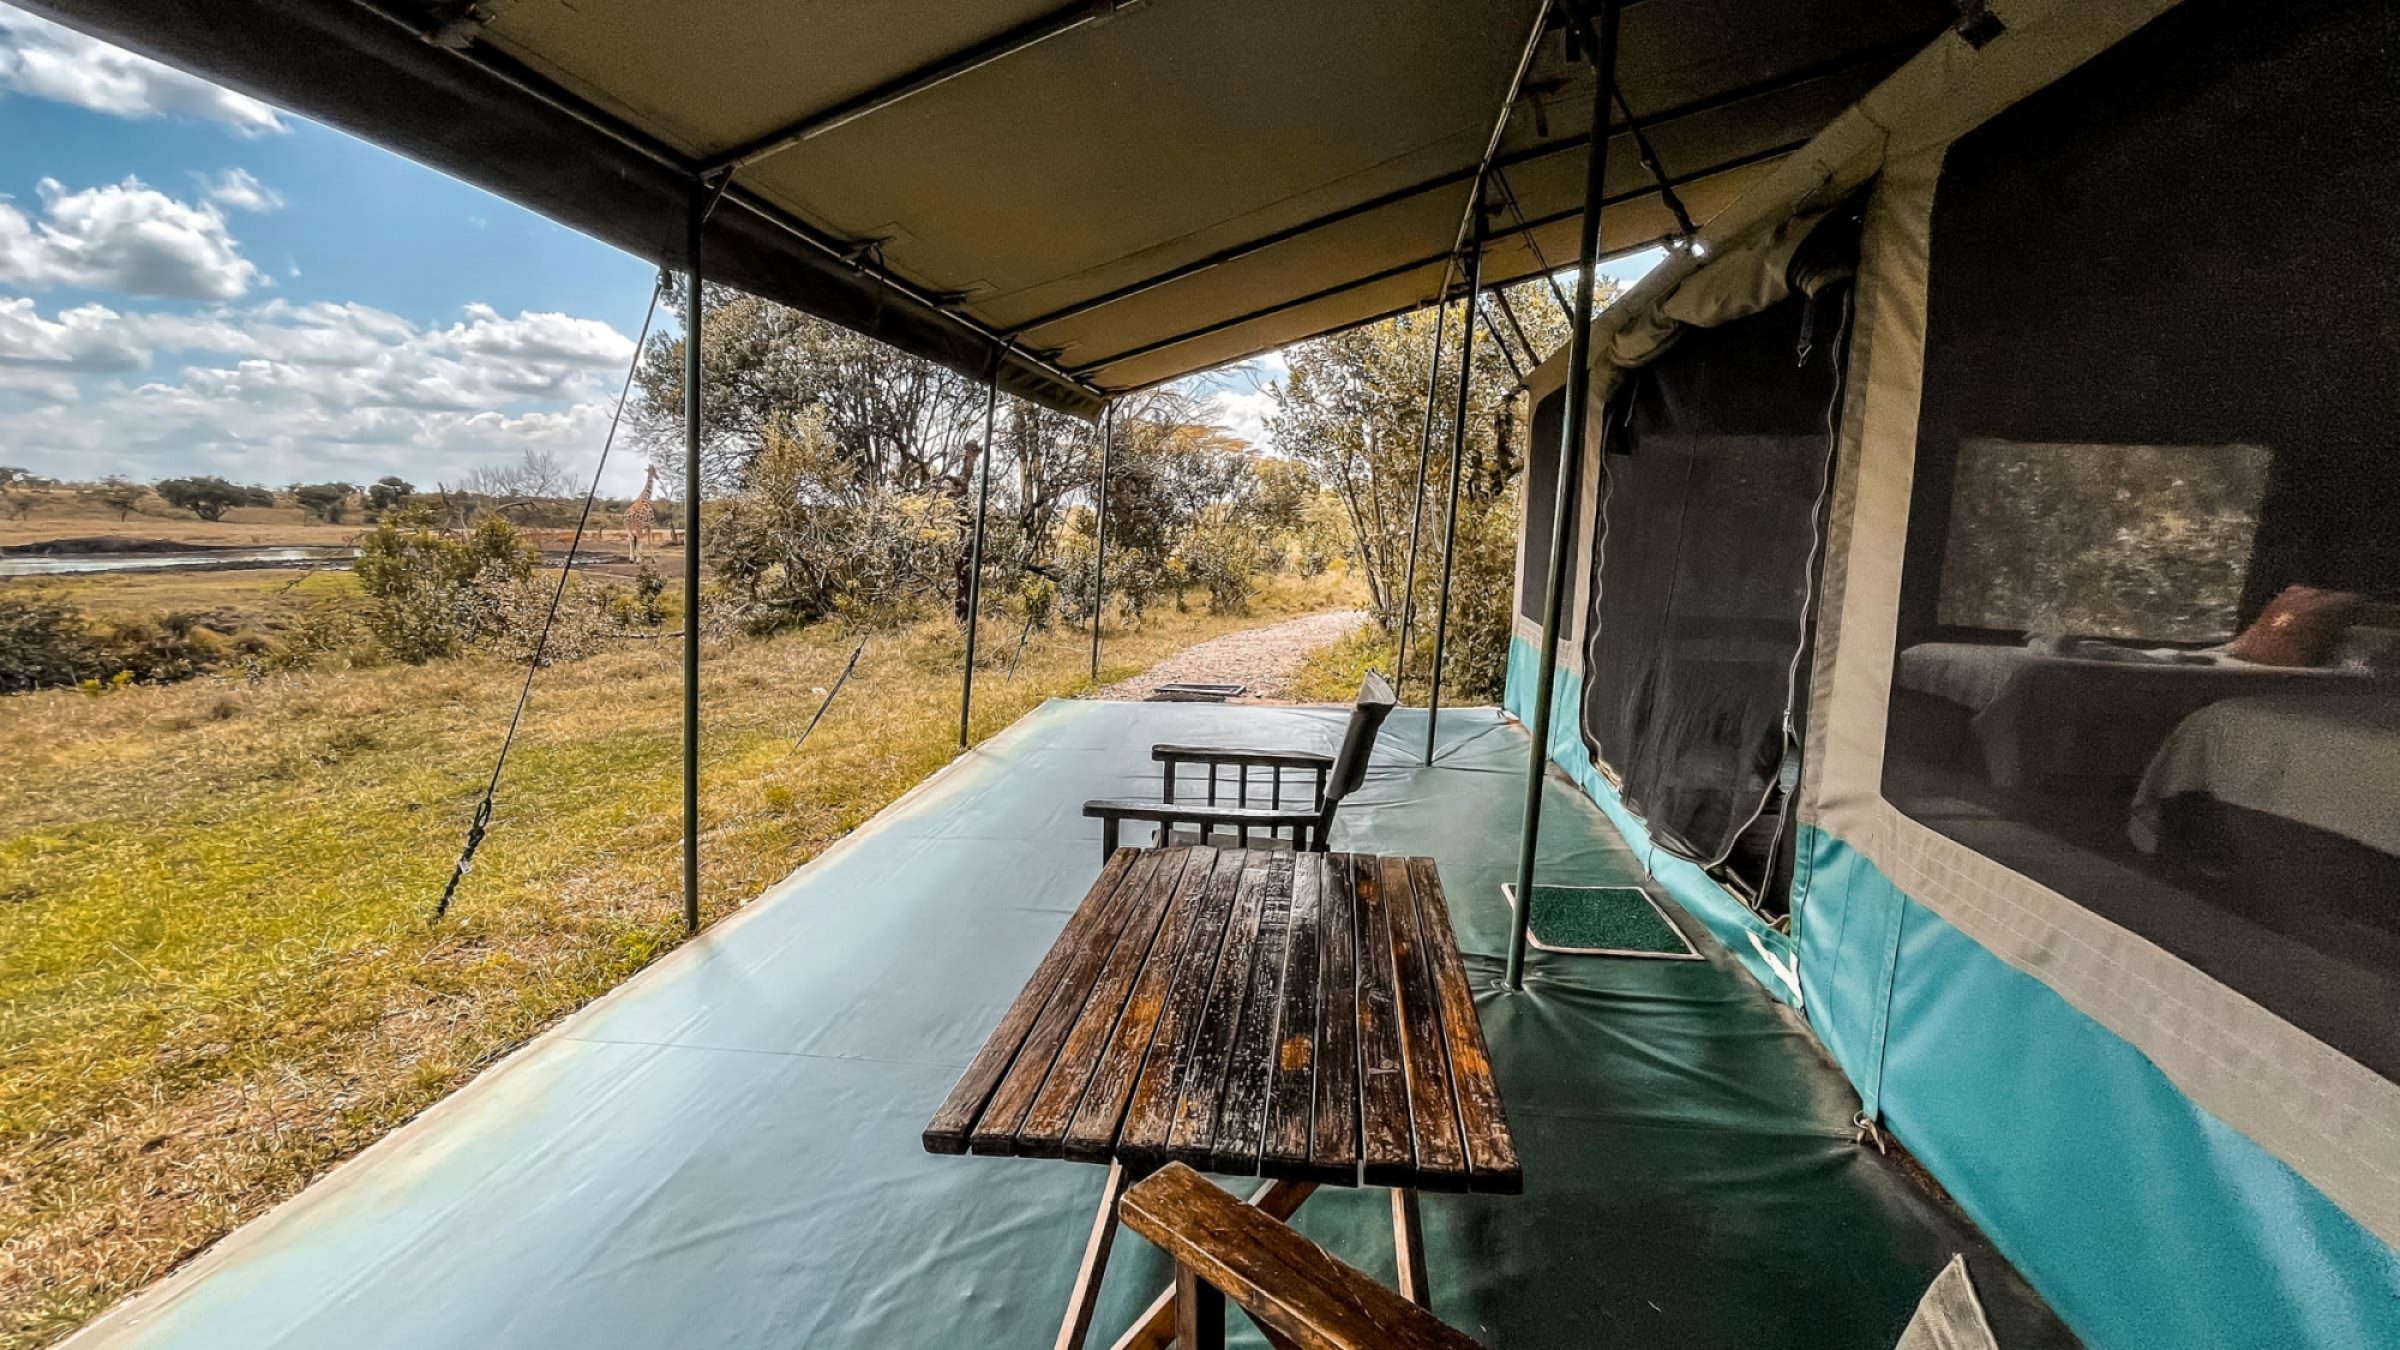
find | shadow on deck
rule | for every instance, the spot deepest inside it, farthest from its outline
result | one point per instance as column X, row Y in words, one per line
column 725, row 1151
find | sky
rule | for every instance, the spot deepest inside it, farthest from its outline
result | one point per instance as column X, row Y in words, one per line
column 194, row 282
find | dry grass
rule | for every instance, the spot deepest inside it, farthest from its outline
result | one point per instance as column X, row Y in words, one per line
column 1331, row 673
column 250, row 597
column 217, row 974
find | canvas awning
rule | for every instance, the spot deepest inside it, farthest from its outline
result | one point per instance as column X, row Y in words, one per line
column 1125, row 192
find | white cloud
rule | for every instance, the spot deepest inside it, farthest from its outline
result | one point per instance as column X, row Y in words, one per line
column 1245, row 415
column 86, row 340
column 277, row 392
column 123, row 237
column 238, row 190
column 40, row 59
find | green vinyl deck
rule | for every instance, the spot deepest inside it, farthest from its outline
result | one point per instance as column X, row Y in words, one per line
column 725, row 1153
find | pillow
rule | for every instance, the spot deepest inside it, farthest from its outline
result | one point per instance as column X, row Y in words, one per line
column 2297, row 628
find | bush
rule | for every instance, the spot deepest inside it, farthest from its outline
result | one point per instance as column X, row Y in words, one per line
column 806, row 538
column 1226, row 556
column 641, row 605
column 45, row 643
column 431, row 593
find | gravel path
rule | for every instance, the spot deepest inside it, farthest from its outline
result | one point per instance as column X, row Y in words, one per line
column 1261, row 659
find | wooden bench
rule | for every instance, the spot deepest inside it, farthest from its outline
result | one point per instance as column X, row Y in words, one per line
column 1296, row 1291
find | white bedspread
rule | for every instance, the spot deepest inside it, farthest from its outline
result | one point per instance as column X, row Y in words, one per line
column 2331, row 761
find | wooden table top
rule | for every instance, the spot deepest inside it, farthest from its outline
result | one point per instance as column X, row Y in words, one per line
column 1247, row 1012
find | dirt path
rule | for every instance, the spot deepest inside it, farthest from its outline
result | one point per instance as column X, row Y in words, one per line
column 1263, row 660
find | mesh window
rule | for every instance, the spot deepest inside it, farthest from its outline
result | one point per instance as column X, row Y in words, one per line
column 1711, row 492
column 1541, row 491
column 2149, row 641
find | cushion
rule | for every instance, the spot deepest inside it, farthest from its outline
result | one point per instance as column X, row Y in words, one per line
column 2300, row 627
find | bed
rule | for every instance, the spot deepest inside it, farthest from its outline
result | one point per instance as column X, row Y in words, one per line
column 2092, row 714
column 2327, row 761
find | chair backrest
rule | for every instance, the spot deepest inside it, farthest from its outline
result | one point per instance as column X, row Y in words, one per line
column 1375, row 700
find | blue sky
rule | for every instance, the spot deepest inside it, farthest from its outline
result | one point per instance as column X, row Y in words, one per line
column 191, row 281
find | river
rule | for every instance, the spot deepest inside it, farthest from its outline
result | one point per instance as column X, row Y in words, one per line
column 84, row 564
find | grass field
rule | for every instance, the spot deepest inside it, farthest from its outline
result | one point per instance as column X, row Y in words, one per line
column 218, row 975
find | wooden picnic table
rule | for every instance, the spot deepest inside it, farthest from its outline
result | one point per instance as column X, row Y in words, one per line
column 1299, row 1016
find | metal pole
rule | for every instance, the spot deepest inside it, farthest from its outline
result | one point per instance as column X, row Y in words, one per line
column 695, row 219
column 1108, row 446
column 1570, row 452
column 1416, row 511
column 983, row 501
column 1458, row 457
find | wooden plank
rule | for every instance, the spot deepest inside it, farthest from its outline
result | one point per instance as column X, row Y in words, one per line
column 955, row 1118
column 1151, row 1111
column 1211, row 1054
column 995, row 1131
column 1333, row 1140
column 1385, row 1155
column 1432, row 1111
column 1289, row 1285
column 1250, row 1065
column 1291, row 1100
column 1155, row 1328
column 1491, row 1150
column 1043, row 1131
column 1092, row 1135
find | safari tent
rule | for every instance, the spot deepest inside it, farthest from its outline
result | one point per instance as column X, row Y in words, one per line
column 1960, row 577
column 1938, row 512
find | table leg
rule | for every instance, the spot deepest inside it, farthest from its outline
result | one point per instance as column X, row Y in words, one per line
column 1155, row 1328
column 1086, row 1295
column 1408, row 1248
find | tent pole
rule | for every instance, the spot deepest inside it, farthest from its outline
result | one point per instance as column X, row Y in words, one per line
column 1416, row 511
column 1570, row 452
column 701, row 198
column 1458, row 455
column 983, row 502
column 1108, row 447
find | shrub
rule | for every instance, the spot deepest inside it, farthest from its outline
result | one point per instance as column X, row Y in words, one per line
column 421, row 583
column 1224, row 555
column 45, row 643
column 806, row 538
column 641, row 605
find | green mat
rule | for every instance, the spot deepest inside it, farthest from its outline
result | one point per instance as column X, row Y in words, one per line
column 1602, row 921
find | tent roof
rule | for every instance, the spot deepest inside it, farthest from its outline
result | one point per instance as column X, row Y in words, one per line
column 1148, row 190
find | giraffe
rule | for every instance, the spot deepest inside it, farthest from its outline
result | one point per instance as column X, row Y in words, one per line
column 640, row 520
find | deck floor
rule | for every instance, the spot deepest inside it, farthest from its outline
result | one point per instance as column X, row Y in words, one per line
column 725, row 1151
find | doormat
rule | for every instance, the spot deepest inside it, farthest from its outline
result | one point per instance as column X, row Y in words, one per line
column 1602, row 921
column 1188, row 692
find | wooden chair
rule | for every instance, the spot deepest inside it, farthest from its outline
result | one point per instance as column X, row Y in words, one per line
column 1337, row 776
column 1298, row 1293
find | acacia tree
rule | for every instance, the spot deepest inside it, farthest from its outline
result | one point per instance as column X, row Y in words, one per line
column 210, row 497
column 328, row 502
